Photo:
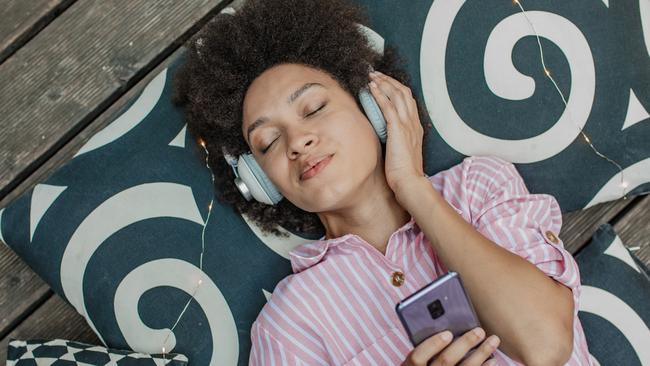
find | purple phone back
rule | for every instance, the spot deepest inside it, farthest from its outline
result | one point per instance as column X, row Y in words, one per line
column 444, row 298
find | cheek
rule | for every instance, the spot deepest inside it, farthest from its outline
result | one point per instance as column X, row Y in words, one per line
column 364, row 140
column 283, row 178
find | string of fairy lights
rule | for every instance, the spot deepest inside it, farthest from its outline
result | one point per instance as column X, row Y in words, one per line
column 547, row 72
column 200, row 281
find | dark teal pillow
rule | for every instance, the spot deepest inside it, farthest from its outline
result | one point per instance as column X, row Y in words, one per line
column 61, row 352
column 614, row 303
column 117, row 230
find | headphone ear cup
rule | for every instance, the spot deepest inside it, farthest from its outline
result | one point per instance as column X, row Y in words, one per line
column 373, row 112
column 259, row 185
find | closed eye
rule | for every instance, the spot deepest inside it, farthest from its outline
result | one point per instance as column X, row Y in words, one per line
column 308, row 115
column 319, row 108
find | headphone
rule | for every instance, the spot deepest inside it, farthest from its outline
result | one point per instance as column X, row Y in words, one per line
column 251, row 180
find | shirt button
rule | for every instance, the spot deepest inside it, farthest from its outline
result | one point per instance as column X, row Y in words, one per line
column 397, row 278
column 552, row 237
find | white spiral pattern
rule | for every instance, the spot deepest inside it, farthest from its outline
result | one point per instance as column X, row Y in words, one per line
column 505, row 81
column 134, row 204
column 183, row 276
column 608, row 306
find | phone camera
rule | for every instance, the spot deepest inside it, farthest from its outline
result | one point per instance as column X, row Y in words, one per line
column 435, row 309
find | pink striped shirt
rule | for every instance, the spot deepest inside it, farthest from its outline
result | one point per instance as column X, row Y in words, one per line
column 338, row 306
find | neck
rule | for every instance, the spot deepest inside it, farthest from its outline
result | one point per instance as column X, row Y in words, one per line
column 374, row 216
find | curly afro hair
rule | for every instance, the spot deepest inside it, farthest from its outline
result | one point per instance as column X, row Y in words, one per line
column 228, row 53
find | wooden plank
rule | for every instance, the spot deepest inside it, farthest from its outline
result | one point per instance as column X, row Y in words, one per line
column 79, row 65
column 63, row 155
column 55, row 319
column 634, row 229
column 22, row 19
column 579, row 226
column 21, row 290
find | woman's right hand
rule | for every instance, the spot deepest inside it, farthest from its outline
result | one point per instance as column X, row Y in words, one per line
column 439, row 348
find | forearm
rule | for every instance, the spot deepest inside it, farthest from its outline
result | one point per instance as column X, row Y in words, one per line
column 513, row 298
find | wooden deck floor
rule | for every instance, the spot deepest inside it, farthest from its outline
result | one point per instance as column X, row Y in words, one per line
column 66, row 67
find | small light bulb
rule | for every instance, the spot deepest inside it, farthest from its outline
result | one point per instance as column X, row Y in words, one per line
column 163, row 349
column 210, row 206
column 200, row 281
column 624, row 184
column 548, row 73
column 202, row 143
column 587, row 139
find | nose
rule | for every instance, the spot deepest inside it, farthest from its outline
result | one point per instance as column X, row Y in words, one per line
column 300, row 142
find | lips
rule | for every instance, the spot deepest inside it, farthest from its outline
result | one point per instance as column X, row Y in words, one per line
column 316, row 168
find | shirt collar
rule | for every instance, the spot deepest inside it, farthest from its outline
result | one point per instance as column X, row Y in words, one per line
column 311, row 253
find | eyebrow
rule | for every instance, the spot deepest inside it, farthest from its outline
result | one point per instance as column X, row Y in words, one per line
column 295, row 95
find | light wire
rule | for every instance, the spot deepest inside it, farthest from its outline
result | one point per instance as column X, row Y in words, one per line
column 623, row 184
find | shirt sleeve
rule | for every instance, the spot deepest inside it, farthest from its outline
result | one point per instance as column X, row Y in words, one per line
column 526, row 224
column 266, row 349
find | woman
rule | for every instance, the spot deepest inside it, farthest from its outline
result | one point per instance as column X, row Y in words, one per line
column 389, row 229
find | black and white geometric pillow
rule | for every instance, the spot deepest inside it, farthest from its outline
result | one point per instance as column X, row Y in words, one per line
column 61, row 352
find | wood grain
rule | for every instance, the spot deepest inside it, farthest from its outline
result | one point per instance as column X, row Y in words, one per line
column 55, row 319
column 579, row 226
column 76, row 67
column 21, row 290
column 23, row 19
column 634, row 229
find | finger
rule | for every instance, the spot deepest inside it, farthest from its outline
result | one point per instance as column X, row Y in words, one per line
column 388, row 109
column 404, row 101
column 483, row 352
column 459, row 347
column 405, row 90
column 395, row 93
column 395, row 96
column 395, row 83
column 490, row 362
column 429, row 348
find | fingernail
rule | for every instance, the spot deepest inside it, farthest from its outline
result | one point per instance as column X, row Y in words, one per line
column 493, row 341
column 373, row 84
column 479, row 332
column 446, row 336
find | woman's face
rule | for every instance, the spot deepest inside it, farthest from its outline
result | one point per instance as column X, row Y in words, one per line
column 306, row 115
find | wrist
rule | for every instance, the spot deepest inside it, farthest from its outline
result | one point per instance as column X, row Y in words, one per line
column 409, row 192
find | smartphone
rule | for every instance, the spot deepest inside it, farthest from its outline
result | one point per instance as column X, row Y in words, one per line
column 441, row 305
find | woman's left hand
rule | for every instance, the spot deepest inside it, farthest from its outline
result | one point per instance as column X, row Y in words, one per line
column 403, row 160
